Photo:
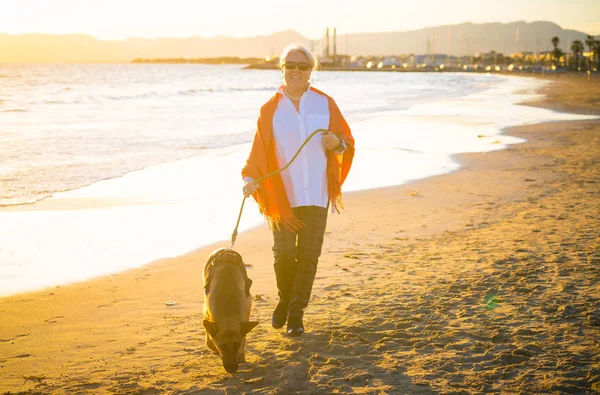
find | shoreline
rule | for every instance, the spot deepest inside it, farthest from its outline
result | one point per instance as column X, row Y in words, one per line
column 128, row 229
column 409, row 250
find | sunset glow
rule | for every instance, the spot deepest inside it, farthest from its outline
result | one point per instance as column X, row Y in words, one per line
column 113, row 19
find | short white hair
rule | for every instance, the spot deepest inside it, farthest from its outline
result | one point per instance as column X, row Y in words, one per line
column 312, row 59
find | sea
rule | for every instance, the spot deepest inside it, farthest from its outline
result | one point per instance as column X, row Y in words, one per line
column 108, row 167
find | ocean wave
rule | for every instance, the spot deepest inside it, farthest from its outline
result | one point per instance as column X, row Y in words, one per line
column 24, row 187
column 153, row 94
column 194, row 147
column 228, row 89
column 14, row 110
column 192, row 91
column 6, row 201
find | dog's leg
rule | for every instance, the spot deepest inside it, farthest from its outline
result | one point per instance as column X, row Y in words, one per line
column 242, row 352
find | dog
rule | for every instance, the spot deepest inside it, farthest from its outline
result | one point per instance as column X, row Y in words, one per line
column 227, row 305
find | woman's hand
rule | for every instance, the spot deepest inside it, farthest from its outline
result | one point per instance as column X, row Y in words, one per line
column 249, row 188
column 330, row 140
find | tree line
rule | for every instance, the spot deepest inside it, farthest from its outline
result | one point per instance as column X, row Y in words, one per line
column 577, row 49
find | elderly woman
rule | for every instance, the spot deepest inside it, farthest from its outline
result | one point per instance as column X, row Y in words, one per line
column 296, row 201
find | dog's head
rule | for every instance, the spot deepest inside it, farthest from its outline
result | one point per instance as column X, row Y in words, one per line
column 228, row 337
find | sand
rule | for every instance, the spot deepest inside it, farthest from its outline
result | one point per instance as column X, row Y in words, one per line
column 484, row 280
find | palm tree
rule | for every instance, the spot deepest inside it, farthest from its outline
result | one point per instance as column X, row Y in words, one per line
column 591, row 43
column 597, row 52
column 577, row 48
column 556, row 52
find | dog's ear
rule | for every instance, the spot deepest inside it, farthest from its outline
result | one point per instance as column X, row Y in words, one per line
column 211, row 327
column 247, row 326
column 248, row 285
column 211, row 257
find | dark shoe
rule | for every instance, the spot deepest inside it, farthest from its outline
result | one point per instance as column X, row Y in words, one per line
column 295, row 326
column 279, row 317
column 278, row 321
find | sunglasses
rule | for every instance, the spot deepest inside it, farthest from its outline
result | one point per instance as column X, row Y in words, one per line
column 303, row 66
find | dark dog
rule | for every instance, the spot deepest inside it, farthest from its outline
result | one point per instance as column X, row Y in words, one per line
column 227, row 304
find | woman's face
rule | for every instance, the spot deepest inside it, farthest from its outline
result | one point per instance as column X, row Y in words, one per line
column 295, row 78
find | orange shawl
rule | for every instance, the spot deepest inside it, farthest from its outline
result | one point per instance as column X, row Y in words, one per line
column 271, row 197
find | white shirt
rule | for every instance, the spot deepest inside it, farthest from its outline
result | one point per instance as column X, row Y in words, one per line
column 305, row 181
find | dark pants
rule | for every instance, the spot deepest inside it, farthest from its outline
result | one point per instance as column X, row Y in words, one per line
column 296, row 255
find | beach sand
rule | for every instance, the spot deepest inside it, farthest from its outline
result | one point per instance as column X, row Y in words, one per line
column 479, row 281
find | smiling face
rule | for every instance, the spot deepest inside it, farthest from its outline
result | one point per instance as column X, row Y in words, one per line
column 296, row 80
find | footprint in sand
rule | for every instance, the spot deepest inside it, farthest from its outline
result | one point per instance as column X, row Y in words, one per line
column 332, row 287
column 14, row 338
column 114, row 302
column 85, row 346
column 22, row 356
column 54, row 320
column 89, row 386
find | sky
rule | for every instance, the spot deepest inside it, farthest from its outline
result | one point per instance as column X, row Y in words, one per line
column 120, row 19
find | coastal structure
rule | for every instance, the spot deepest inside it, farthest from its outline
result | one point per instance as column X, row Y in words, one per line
column 492, row 61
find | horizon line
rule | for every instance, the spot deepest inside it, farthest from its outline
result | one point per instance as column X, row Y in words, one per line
column 279, row 32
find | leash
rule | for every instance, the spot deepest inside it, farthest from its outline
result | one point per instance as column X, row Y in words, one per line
column 235, row 231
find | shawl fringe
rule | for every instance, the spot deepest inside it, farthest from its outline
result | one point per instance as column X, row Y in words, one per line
column 291, row 223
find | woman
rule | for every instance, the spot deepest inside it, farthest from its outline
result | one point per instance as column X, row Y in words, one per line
column 295, row 201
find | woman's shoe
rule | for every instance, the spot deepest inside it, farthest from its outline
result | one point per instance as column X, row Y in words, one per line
column 279, row 317
column 295, row 326
column 278, row 321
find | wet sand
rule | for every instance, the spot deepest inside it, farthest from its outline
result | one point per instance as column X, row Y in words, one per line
column 485, row 280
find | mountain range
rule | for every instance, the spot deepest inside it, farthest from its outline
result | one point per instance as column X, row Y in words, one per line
column 461, row 39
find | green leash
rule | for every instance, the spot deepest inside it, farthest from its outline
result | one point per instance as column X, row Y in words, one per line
column 235, row 231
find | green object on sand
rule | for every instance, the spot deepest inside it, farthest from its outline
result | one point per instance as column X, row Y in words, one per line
column 491, row 301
